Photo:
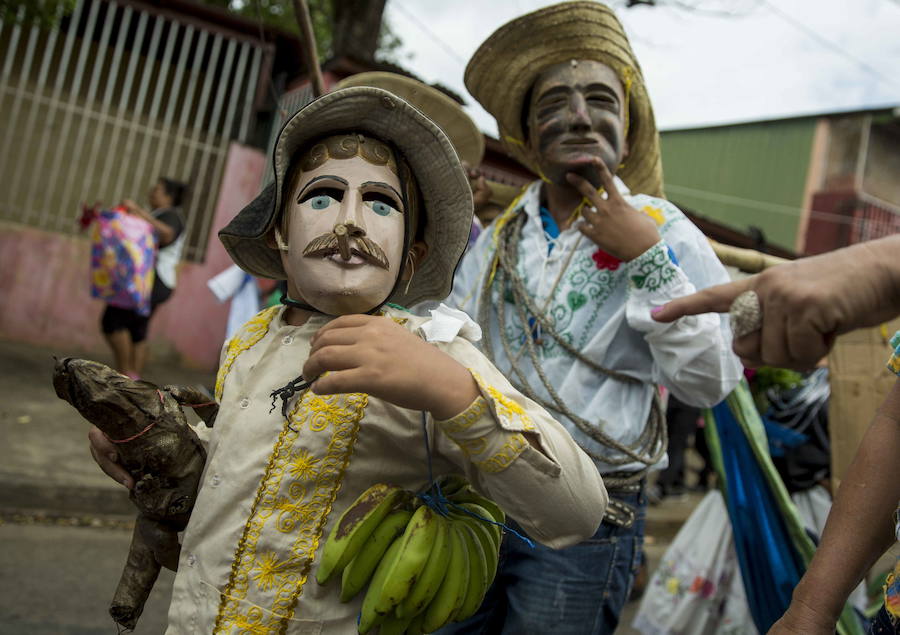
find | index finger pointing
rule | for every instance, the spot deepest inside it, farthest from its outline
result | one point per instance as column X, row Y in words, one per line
column 716, row 299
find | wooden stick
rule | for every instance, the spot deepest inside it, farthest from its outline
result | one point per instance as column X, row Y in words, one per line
column 747, row 260
column 301, row 10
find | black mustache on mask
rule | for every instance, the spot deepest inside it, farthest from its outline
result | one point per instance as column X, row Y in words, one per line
column 346, row 241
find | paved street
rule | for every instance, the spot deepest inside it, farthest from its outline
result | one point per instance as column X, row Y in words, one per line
column 60, row 580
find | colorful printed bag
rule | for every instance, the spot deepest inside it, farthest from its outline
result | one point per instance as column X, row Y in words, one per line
column 123, row 252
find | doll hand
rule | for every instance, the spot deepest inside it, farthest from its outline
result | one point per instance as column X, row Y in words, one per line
column 374, row 355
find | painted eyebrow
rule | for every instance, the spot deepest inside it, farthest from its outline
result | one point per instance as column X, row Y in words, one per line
column 322, row 177
column 602, row 87
column 386, row 186
column 554, row 91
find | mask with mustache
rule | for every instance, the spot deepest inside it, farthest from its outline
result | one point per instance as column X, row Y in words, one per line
column 347, row 241
column 344, row 235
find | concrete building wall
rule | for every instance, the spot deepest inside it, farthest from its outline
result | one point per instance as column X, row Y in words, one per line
column 45, row 285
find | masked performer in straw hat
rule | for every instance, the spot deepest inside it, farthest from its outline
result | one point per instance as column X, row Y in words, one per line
column 369, row 205
column 564, row 283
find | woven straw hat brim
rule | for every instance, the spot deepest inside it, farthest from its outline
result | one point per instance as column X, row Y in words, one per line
column 446, row 113
column 376, row 112
column 508, row 63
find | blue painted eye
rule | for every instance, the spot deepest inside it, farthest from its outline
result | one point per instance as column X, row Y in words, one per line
column 381, row 208
column 321, row 202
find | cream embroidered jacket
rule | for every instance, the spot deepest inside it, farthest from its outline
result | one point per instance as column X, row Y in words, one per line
column 273, row 487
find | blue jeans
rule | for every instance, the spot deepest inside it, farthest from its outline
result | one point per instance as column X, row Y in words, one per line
column 579, row 590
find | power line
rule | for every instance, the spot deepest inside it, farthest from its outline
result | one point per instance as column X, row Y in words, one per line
column 829, row 44
column 447, row 48
column 716, row 13
column 765, row 206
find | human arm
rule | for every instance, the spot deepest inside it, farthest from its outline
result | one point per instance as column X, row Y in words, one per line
column 164, row 231
column 858, row 531
column 513, row 447
column 807, row 303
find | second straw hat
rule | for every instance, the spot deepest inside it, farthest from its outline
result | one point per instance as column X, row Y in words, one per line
column 467, row 140
column 505, row 67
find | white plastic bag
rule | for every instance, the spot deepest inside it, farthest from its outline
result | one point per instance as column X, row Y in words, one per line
column 697, row 588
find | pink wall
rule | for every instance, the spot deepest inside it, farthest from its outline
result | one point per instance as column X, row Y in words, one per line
column 44, row 282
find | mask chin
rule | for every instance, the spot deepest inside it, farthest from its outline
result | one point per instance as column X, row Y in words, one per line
column 339, row 302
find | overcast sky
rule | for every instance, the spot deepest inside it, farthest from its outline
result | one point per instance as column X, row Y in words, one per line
column 705, row 61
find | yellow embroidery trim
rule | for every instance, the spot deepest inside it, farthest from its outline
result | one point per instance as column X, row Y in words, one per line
column 268, row 568
column 250, row 334
column 345, row 429
column 304, row 510
column 465, row 419
column 503, row 406
column 473, row 447
column 244, row 557
column 505, row 456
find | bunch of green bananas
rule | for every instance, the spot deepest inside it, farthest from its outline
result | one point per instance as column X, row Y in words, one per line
column 424, row 569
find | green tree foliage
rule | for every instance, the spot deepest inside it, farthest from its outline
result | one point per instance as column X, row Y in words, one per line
column 30, row 12
column 280, row 14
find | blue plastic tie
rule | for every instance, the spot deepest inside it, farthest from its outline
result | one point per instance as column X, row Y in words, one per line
column 434, row 498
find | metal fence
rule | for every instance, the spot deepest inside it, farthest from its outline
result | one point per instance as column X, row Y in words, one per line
column 117, row 95
column 873, row 220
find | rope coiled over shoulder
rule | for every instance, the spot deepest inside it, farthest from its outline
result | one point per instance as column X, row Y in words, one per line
column 503, row 276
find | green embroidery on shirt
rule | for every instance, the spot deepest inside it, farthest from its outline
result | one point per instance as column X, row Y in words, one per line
column 654, row 270
column 583, row 285
column 576, row 300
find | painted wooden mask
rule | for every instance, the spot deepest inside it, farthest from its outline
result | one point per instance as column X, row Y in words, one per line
column 343, row 231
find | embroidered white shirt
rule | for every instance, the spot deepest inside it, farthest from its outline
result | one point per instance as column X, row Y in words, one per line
column 273, row 488
column 602, row 306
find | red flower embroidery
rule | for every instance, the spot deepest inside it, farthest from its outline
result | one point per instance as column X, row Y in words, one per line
column 604, row 260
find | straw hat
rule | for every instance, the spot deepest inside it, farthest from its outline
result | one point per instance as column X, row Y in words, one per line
column 508, row 63
column 446, row 113
column 441, row 179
